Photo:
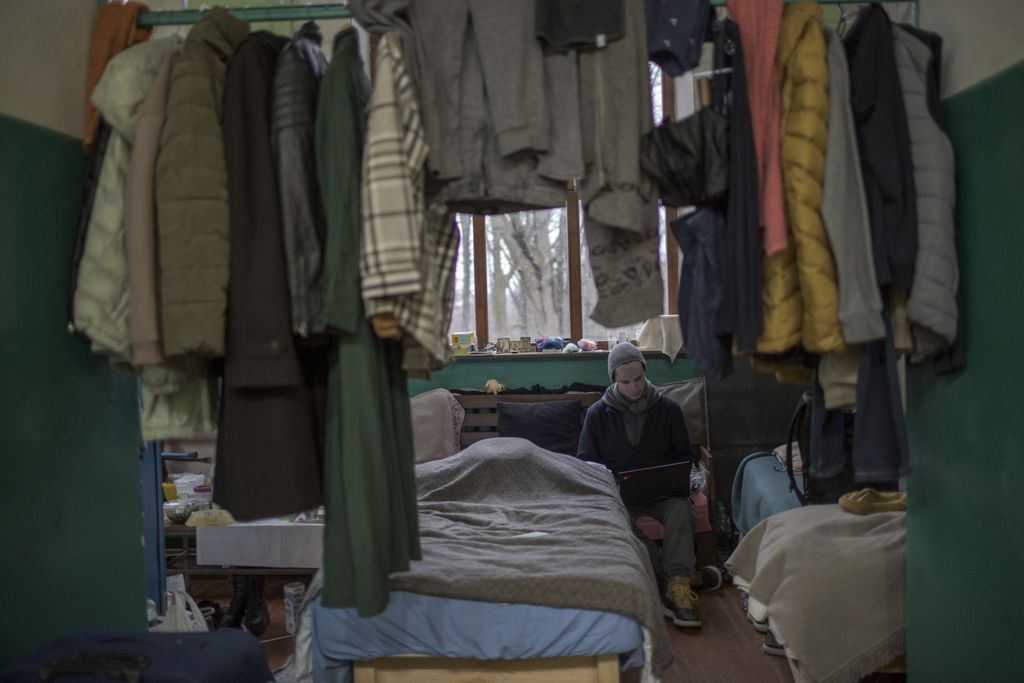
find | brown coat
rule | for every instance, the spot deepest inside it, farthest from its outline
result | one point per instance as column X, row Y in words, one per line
column 140, row 223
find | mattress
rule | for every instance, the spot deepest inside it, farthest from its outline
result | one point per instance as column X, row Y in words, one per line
column 450, row 627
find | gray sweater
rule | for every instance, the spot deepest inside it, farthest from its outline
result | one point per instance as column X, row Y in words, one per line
column 845, row 211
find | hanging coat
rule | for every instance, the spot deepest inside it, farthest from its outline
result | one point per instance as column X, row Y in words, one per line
column 140, row 222
column 101, row 295
column 268, row 450
column 803, row 74
column 191, row 191
column 369, row 488
column 844, row 208
column 932, row 306
column 884, row 144
column 741, row 313
column 296, row 84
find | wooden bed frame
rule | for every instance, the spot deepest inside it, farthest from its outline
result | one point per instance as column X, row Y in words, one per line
column 481, row 422
column 420, row 669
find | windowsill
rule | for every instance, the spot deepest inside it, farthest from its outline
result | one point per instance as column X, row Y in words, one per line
column 550, row 355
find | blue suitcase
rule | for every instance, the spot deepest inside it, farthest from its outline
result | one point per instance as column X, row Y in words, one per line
column 226, row 656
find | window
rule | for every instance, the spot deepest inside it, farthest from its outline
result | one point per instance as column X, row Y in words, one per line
column 532, row 268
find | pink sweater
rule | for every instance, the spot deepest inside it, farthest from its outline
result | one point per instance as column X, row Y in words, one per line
column 759, row 22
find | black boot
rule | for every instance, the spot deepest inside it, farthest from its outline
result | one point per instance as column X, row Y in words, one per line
column 257, row 616
column 239, row 599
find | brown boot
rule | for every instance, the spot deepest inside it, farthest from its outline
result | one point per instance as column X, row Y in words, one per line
column 680, row 603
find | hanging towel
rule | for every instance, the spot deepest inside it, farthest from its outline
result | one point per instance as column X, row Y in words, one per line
column 759, row 22
column 116, row 29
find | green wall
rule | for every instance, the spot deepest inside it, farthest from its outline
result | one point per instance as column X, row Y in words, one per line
column 551, row 371
column 69, row 446
column 965, row 544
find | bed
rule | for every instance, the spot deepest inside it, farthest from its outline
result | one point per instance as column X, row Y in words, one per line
column 831, row 585
column 530, row 573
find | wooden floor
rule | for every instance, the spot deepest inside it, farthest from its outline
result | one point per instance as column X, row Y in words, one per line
column 726, row 648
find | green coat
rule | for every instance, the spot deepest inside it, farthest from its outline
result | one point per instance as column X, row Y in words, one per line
column 369, row 484
column 192, row 192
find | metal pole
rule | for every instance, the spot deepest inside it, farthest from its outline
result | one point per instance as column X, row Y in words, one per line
column 272, row 13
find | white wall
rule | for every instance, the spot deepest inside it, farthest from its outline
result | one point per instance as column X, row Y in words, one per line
column 980, row 38
column 44, row 56
column 44, row 61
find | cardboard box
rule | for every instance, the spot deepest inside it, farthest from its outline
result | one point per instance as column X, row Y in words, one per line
column 463, row 342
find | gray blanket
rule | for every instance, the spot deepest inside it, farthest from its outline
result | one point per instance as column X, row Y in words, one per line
column 506, row 521
column 833, row 585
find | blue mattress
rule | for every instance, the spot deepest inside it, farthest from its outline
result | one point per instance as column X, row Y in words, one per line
column 429, row 625
column 760, row 489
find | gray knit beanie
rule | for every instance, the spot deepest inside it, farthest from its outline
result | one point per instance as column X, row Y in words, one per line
column 623, row 353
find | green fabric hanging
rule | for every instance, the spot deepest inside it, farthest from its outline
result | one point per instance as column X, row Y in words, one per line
column 369, row 487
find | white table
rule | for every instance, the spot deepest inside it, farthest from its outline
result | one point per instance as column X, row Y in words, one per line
column 267, row 543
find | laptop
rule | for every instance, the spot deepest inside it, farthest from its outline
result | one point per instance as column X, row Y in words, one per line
column 639, row 488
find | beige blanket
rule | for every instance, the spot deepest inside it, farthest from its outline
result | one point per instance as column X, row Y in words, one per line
column 833, row 584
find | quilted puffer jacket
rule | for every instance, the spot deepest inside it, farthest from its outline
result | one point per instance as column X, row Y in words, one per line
column 803, row 75
column 932, row 306
column 191, row 191
column 100, row 305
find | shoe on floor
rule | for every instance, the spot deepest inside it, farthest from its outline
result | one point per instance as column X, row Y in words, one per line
column 759, row 626
column 680, row 603
column 771, row 646
column 707, row 578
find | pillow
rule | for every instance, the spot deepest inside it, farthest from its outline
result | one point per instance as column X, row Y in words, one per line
column 436, row 424
column 692, row 400
column 554, row 425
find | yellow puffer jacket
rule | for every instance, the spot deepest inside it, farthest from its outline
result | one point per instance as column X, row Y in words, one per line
column 800, row 298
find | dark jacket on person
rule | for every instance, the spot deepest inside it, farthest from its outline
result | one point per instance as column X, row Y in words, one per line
column 267, row 442
column 664, row 439
column 883, row 139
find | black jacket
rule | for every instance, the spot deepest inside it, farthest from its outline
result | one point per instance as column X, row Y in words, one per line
column 741, row 312
column 664, row 439
column 883, row 139
column 268, row 446
column 296, row 85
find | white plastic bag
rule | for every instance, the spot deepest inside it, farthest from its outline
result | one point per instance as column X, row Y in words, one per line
column 183, row 615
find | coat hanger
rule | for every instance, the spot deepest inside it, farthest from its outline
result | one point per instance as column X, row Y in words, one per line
column 845, row 17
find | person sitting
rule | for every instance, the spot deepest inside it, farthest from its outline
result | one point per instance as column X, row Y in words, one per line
column 632, row 427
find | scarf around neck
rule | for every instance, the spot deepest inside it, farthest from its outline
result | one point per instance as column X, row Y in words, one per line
column 634, row 413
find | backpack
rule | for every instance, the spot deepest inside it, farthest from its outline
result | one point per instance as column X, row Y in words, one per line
column 818, row 490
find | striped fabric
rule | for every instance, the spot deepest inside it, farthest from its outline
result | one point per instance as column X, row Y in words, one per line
column 408, row 251
column 393, row 162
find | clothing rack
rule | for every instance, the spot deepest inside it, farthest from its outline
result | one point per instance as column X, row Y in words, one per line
column 338, row 11
column 269, row 13
column 913, row 5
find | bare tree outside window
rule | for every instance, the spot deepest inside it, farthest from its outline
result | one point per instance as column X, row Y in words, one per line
column 463, row 308
column 527, row 276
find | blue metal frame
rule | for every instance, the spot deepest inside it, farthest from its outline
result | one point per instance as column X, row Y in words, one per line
column 154, row 550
